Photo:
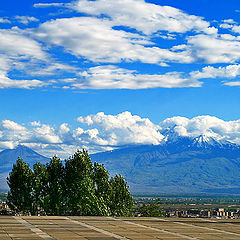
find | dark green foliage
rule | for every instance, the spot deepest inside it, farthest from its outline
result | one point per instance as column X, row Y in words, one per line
column 20, row 182
column 149, row 210
column 54, row 198
column 76, row 188
column 80, row 186
column 40, row 179
column 121, row 201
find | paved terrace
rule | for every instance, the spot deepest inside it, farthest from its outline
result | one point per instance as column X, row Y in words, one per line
column 107, row 228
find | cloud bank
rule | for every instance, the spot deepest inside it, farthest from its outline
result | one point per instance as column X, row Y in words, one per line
column 101, row 132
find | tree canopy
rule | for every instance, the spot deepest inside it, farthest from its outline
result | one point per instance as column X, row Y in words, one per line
column 74, row 187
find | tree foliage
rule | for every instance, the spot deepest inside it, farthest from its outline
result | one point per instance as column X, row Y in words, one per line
column 77, row 187
column 149, row 210
column 20, row 182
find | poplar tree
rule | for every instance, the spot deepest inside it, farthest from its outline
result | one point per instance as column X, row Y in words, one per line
column 20, row 181
column 40, row 187
column 54, row 199
column 121, row 200
column 80, row 186
column 77, row 188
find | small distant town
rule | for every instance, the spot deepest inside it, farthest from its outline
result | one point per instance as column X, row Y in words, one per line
column 190, row 207
column 178, row 207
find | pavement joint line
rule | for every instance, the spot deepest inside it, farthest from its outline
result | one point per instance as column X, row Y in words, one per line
column 213, row 221
column 206, row 228
column 34, row 229
column 209, row 220
column 97, row 229
column 155, row 229
column 6, row 233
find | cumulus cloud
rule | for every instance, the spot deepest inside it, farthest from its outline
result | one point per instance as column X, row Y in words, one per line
column 123, row 128
column 101, row 132
column 96, row 40
column 45, row 134
column 230, row 71
column 112, row 77
column 204, row 125
column 13, row 133
column 10, row 125
column 145, row 17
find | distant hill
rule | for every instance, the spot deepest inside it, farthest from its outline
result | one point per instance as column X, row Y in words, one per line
column 9, row 156
column 177, row 166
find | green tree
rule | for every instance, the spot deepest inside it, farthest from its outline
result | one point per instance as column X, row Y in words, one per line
column 78, row 188
column 20, row 183
column 150, row 210
column 81, row 193
column 121, row 200
column 102, row 187
column 54, row 200
column 101, row 181
column 40, row 183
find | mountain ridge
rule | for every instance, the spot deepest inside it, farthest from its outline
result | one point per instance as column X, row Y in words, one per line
column 178, row 165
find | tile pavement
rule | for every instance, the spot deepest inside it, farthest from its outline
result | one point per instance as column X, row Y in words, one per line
column 108, row 228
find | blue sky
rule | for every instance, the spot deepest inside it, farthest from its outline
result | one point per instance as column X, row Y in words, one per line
column 100, row 74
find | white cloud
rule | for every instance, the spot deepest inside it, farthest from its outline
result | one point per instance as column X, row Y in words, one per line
column 10, row 125
column 111, row 77
column 122, row 129
column 233, row 84
column 231, row 25
column 226, row 26
column 229, row 21
column 46, row 5
column 94, row 39
column 16, row 44
column 35, row 123
column 230, row 71
column 204, row 125
column 213, row 49
column 45, row 134
column 6, row 82
column 26, row 19
column 12, row 133
column 50, row 68
column 145, row 17
column 21, row 53
column 4, row 20
column 106, row 132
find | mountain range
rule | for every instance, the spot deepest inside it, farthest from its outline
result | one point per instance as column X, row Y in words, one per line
column 179, row 165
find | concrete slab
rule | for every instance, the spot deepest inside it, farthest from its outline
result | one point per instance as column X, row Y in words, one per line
column 104, row 228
